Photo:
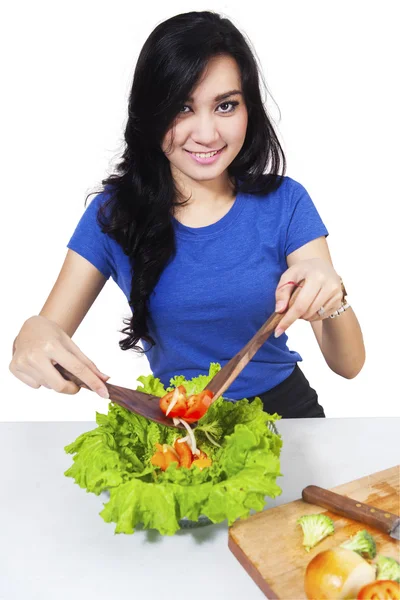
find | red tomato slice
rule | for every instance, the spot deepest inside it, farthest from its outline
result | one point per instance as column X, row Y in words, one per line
column 197, row 406
column 383, row 589
column 179, row 408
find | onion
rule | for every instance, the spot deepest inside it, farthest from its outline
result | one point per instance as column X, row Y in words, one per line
column 337, row 574
column 192, row 439
column 174, row 400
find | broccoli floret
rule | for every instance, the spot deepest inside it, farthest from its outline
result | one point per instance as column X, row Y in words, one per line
column 388, row 568
column 363, row 543
column 315, row 528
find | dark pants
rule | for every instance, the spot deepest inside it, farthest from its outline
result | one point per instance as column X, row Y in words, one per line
column 294, row 398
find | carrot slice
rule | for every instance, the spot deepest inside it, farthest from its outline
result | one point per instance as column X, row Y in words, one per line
column 201, row 463
column 158, row 460
column 184, row 453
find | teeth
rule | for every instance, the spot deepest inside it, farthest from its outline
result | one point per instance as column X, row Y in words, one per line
column 202, row 155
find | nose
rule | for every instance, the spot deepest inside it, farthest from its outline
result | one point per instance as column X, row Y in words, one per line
column 204, row 131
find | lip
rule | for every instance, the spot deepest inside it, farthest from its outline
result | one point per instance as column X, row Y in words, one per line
column 207, row 161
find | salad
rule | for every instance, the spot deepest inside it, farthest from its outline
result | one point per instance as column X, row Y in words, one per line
column 222, row 469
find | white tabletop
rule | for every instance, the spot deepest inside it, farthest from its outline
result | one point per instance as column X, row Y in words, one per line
column 55, row 546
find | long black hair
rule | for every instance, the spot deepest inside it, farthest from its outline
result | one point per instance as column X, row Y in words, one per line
column 138, row 211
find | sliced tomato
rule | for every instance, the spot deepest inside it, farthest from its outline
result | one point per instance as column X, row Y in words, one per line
column 384, row 589
column 197, row 406
column 184, row 453
column 179, row 408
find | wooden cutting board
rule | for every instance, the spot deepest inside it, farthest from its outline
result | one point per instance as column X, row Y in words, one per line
column 269, row 544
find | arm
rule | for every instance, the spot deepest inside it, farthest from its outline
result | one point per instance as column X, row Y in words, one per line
column 76, row 288
column 340, row 340
column 45, row 339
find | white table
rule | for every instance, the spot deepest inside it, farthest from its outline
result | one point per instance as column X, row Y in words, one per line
column 55, row 546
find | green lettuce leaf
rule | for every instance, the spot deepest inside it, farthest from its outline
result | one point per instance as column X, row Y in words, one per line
column 197, row 384
column 116, row 457
column 151, row 385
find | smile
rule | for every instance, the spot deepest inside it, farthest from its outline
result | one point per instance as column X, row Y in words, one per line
column 206, row 157
column 204, row 154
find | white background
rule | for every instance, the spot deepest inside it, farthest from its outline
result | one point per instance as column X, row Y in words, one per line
column 331, row 69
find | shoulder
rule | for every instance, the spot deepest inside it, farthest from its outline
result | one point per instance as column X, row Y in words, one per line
column 100, row 198
column 99, row 204
column 283, row 186
column 284, row 196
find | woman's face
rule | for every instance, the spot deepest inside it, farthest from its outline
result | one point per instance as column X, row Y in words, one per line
column 207, row 124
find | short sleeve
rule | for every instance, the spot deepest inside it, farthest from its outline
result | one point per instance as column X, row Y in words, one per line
column 304, row 223
column 90, row 242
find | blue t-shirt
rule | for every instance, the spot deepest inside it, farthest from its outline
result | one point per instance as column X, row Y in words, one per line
column 219, row 288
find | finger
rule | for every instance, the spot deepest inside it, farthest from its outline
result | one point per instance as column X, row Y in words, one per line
column 45, row 376
column 27, row 375
column 78, row 368
column 299, row 307
column 82, row 357
column 329, row 309
column 26, row 379
column 325, row 300
column 329, row 304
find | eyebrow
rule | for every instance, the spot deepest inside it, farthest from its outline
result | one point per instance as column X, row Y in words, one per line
column 223, row 96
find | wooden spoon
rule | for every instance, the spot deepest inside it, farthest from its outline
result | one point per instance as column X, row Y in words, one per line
column 149, row 406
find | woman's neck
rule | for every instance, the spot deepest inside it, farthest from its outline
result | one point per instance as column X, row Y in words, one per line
column 204, row 193
column 207, row 203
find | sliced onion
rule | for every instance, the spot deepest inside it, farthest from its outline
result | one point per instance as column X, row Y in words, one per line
column 191, row 435
column 174, row 400
column 181, row 440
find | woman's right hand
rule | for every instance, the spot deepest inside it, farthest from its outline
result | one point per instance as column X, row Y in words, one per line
column 40, row 345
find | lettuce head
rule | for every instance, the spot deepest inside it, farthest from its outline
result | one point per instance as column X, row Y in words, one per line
column 115, row 456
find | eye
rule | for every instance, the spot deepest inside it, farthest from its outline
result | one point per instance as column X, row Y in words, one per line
column 232, row 104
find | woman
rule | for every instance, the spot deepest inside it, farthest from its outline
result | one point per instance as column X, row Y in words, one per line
column 203, row 233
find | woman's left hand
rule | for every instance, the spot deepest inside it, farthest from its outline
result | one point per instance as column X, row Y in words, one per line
column 322, row 291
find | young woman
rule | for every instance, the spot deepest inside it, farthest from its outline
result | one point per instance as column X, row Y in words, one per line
column 203, row 233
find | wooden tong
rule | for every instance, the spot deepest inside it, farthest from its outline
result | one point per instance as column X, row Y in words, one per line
column 148, row 406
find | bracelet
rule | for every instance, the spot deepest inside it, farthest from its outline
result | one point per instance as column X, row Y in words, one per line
column 339, row 311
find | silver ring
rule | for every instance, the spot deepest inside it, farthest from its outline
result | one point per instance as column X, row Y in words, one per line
column 340, row 310
column 321, row 311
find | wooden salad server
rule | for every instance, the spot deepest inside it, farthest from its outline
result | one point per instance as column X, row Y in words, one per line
column 148, row 406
